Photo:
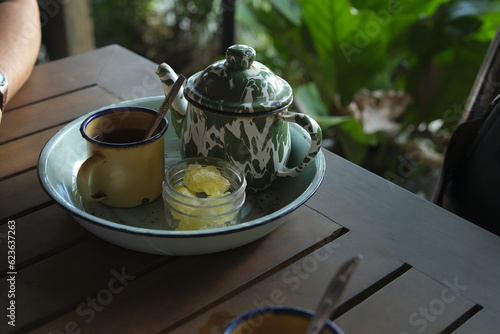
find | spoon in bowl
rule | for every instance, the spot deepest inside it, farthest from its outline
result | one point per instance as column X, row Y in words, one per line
column 332, row 295
column 165, row 105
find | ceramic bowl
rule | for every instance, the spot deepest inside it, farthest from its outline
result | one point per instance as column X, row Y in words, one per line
column 143, row 228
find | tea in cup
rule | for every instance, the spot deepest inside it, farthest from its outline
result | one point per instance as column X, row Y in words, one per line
column 124, row 169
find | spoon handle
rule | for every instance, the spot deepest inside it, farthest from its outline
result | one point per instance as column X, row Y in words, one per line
column 165, row 105
column 332, row 296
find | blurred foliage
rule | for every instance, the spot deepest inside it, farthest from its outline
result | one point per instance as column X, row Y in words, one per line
column 183, row 33
column 331, row 50
column 119, row 21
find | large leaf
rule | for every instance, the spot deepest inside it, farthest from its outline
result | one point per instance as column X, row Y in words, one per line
column 395, row 8
column 289, row 9
column 328, row 22
column 354, row 143
column 321, row 21
column 308, row 101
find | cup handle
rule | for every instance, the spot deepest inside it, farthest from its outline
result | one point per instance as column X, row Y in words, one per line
column 83, row 179
column 314, row 130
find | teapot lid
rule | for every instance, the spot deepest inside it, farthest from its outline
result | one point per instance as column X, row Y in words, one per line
column 238, row 84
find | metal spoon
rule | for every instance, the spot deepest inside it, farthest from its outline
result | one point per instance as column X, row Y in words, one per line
column 332, row 295
column 165, row 105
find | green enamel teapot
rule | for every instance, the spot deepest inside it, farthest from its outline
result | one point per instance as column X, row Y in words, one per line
column 237, row 109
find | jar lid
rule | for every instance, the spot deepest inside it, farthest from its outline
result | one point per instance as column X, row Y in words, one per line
column 238, row 84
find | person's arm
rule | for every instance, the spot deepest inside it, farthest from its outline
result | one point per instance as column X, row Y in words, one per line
column 20, row 38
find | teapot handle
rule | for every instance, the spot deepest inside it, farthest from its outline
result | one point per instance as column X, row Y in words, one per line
column 314, row 130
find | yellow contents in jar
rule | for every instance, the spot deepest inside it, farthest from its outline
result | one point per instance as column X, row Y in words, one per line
column 183, row 190
column 204, row 184
column 206, row 179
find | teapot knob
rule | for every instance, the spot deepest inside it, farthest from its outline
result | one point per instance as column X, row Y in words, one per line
column 240, row 57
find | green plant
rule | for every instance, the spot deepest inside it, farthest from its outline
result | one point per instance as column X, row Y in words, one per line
column 121, row 22
column 180, row 32
column 331, row 50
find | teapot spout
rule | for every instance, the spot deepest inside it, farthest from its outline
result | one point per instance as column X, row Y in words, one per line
column 178, row 108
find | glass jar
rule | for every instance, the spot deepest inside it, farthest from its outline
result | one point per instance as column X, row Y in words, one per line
column 195, row 211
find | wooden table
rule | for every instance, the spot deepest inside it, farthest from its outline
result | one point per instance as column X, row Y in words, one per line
column 424, row 269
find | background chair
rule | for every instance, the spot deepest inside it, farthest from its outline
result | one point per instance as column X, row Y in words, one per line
column 470, row 179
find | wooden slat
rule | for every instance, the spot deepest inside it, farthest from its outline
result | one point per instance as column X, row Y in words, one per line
column 43, row 232
column 129, row 76
column 125, row 74
column 301, row 284
column 22, row 154
column 484, row 322
column 20, row 193
column 56, row 111
column 413, row 303
column 176, row 290
column 68, row 74
column 411, row 228
column 63, row 280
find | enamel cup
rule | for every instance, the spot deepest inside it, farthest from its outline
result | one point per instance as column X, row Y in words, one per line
column 276, row 319
column 123, row 168
column 237, row 110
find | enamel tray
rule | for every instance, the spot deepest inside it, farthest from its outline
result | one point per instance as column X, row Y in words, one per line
column 142, row 228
